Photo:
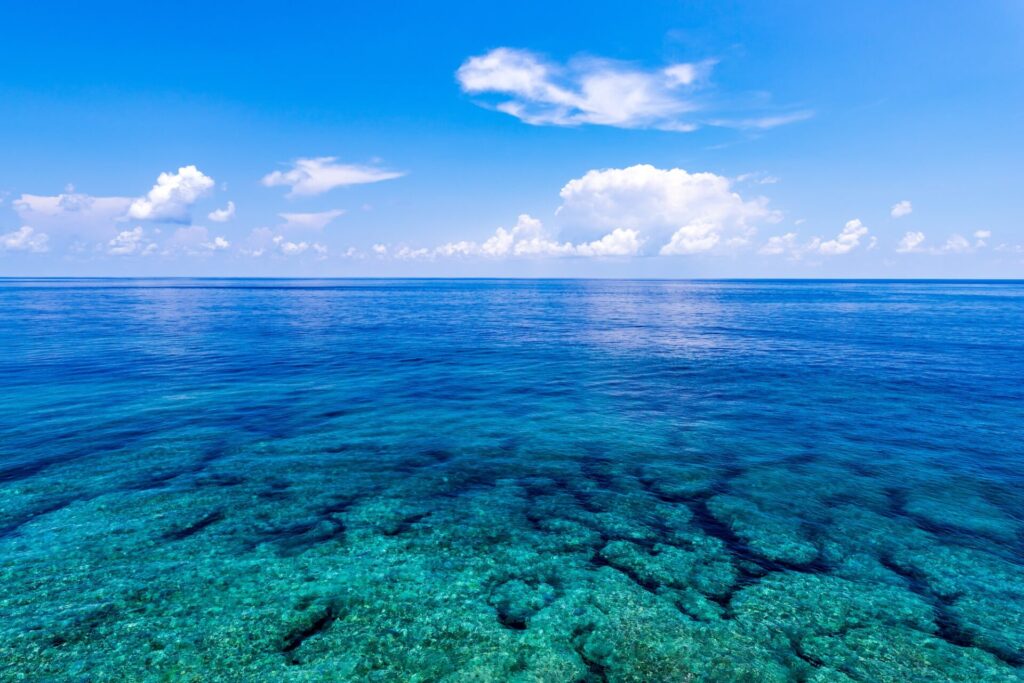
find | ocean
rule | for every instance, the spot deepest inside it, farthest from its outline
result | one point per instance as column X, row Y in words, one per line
column 511, row 480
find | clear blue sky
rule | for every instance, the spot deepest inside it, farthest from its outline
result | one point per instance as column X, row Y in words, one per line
column 654, row 139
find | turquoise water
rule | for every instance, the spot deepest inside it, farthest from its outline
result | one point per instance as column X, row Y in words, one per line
column 206, row 480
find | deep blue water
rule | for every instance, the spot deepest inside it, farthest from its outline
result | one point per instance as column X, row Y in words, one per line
column 511, row 480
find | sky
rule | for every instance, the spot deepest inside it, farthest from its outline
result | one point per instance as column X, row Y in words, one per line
column 466, row 139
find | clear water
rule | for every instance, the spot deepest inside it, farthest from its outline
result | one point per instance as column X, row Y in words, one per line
column 511, row 481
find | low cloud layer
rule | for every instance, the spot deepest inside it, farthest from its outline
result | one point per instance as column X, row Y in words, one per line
column 791, row 246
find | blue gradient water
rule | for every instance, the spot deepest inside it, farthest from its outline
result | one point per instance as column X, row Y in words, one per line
column 511, row 480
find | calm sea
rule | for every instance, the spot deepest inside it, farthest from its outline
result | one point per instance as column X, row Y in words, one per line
column 425, row 480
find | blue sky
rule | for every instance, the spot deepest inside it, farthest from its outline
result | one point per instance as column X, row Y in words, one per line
column 655, row 139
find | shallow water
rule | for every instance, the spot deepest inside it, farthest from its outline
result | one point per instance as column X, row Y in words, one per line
column 511, row 481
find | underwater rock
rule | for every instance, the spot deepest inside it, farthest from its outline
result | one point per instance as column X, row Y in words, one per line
column 773, row 537
column 515, row 601
column 802, row 605
column 966, row 512
column 674, row 482
column 710, row 573
column 890, row 654
column 950, row 571
column 993, row 621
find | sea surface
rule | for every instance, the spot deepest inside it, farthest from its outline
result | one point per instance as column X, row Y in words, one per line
column 426, row 480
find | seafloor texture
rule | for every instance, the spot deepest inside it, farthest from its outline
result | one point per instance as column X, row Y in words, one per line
column 511, row 481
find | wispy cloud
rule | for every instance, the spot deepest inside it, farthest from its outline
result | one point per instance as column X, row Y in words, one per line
column 594, row 91
column 309, row 221
column 321, row 174
column 589, row 90
column 764, row 122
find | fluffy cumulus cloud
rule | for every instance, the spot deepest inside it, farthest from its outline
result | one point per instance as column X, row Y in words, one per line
column 586, row 91
column 130, row 243
column 790, row 245
column 911, row 241
column 847, row 240
column 321, row 174
column 901, row 209
column 223, row 215
column 25, row 238
column 675, row 211
column 619, row 242
column 172, row 196
column 264, row 242
column 309, row 221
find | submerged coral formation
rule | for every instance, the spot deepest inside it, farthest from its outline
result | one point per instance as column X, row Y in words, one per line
column 279, row 562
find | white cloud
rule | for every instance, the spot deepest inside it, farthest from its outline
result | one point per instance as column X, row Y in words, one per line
column 223, row 215
column 624, row 212
column 911, row 242
column 320, row 174
column 764, row 122
column 586, row 91
column 195, row 239
column 129, row 242
column 71, row 212
column 758, row 178
column 527, row 239
column 263, row 241
column 172, row 196
column 691, row 239
column 676, row 211
column 309, row 221
column 790, row 246
column 619, row 242
column 779, row 244
column 846, row 241
column 956, row 244
column 25, row 238
column 290, row 248
column 900, row 209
